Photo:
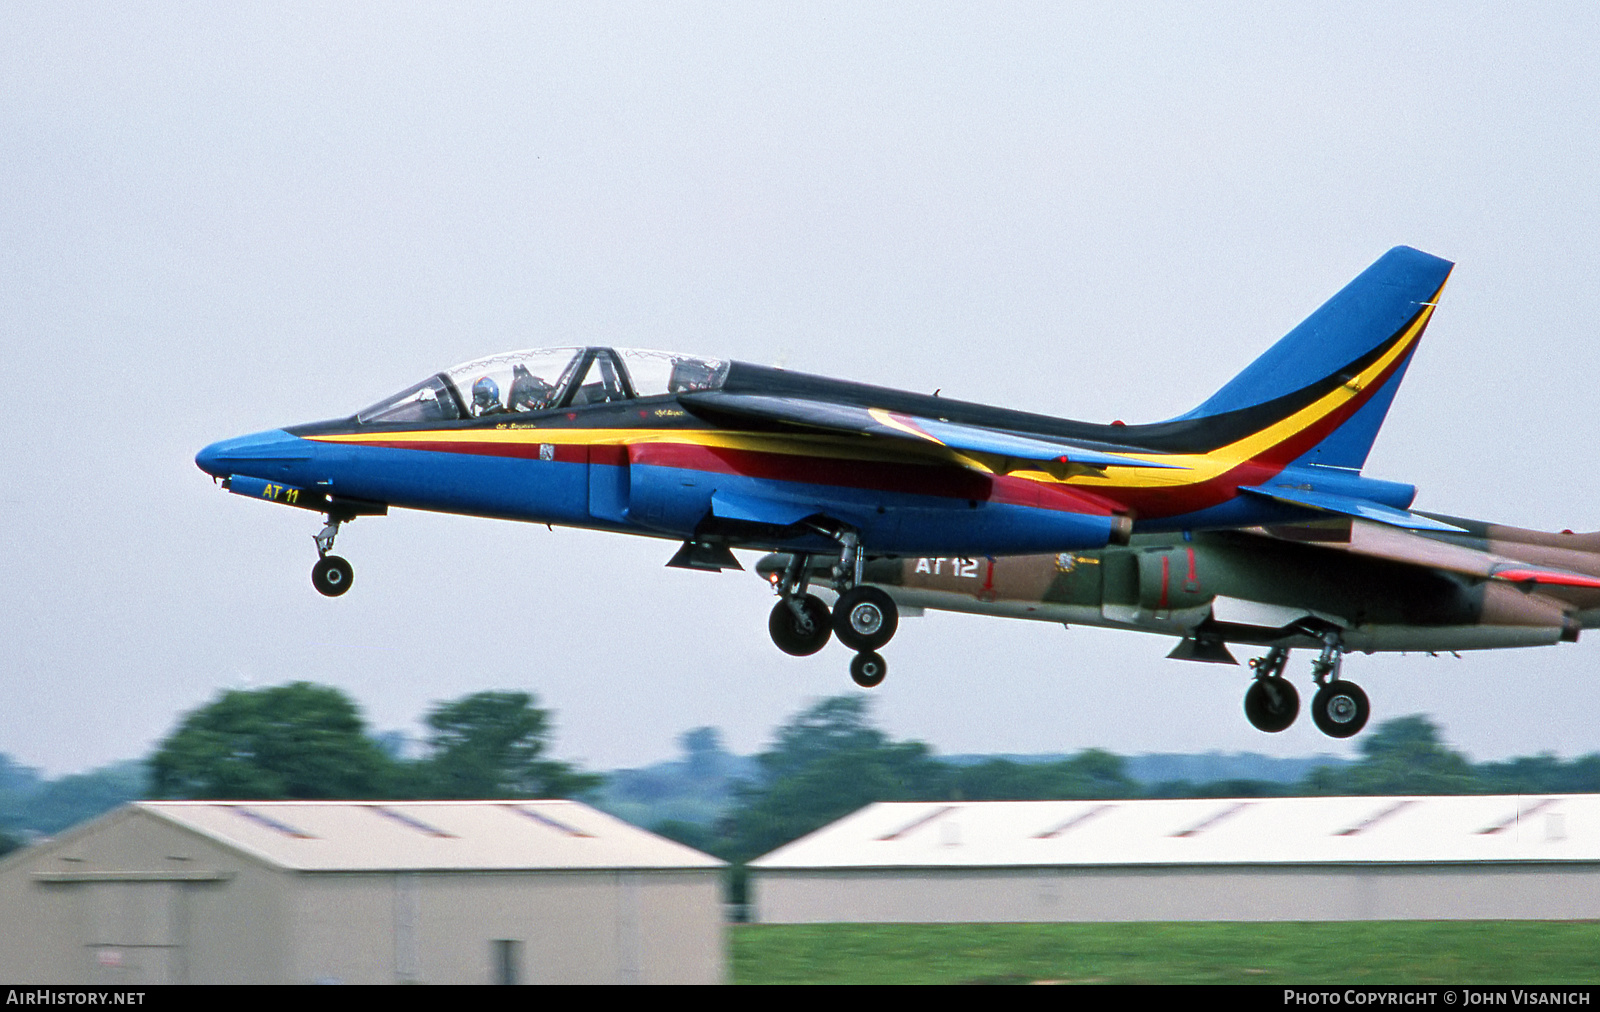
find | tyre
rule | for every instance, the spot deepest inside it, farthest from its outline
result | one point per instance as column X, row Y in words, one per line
column 865, row 618
column 1271, row 704
column 868, row 669
column 1340, row 709
column 331, row 576
column 797, row 636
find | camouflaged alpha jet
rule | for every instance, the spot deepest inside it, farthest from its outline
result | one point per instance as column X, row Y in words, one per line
column 1330, row 586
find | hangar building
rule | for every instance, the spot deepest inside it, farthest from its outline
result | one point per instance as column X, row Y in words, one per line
column 360, row 892
column 1262, row 859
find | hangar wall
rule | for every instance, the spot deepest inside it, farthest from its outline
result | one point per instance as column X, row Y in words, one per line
column 1261, row 893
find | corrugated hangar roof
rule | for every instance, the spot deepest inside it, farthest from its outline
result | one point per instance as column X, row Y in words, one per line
column 1358, row 830
column 427, row 835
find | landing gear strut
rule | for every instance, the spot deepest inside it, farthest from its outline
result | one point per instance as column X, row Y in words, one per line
column 332, row 574
column 864, row 618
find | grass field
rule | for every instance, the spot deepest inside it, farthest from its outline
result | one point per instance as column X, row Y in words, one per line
column 1374, row 952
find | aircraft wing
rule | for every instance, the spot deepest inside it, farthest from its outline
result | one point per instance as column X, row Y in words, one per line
column 1380, row 541
column 1364, row 509
column 1006, row 451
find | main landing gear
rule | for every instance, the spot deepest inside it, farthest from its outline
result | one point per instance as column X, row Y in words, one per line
column 1272, row 704
column 1339, row 709
column 332, row 574
column 864, row 618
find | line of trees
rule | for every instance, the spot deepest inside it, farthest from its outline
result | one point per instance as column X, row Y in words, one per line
column 309, row 741
column 306, row 741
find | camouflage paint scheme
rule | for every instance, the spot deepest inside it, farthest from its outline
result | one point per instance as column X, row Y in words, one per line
column 1381, row 588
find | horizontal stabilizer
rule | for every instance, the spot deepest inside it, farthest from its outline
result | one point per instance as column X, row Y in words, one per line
column 928, row 432
column 1364, row 509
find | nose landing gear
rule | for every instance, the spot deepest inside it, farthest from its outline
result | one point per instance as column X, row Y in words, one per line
column 332, row 574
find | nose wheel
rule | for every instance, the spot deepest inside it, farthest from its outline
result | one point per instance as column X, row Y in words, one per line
column 332, row 574
column 868, row 669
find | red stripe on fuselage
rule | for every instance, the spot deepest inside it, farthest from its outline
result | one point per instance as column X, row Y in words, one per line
column 1153, row 503
column 944, row 481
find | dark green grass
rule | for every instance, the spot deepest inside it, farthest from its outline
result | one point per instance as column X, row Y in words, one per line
column 1371, row 952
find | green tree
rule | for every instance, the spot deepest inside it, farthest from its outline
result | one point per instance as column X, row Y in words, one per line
column 1092, row 773
column 703, row 752
column 827, row 762
column 1541, row 774
column 290, row 741
column 1403, row 756
column 82, row 796
column 492, row 745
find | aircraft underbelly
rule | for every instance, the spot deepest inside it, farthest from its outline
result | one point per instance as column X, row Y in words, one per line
column 678, row 500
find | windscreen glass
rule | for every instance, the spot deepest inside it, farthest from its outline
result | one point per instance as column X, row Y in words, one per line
column 428, row 401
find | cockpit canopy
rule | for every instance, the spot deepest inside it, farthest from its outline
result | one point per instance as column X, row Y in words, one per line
column 543, row 379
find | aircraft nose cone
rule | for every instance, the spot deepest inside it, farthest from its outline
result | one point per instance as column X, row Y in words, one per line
column 210, row 459
column 249, row 454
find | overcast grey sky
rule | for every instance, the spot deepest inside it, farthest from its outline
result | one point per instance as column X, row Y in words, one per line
column 220, row 218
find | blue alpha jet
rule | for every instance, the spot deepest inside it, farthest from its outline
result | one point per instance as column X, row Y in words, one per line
column 722, row 455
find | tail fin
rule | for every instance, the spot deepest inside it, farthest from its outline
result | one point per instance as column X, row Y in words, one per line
column 1357, row 344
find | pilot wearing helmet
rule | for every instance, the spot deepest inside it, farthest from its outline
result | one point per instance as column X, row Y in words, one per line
column 486, row 398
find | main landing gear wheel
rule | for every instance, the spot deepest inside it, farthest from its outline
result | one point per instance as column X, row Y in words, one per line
column 1271, row 704
column 868, row 669
column 803, row 634
column 331, row 576
column 865, row 619
column 1340, row 709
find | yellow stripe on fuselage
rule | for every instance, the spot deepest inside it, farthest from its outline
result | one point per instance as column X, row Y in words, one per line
column 883, row 417
column 843, row 446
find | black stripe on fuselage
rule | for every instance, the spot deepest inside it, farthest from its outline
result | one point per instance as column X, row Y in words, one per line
column 1188, row 435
